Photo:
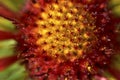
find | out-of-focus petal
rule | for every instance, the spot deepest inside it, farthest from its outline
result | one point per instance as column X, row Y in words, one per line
column 6, row 35
column 115, row 73
column 7, row 13
column 114, row 2
column 14, row 5
column 6, row 25
column 5, row 62
column 115, row 6
column 116, row 10
column 14, row 72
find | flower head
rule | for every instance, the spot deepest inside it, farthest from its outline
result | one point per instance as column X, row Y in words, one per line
column 66, row 39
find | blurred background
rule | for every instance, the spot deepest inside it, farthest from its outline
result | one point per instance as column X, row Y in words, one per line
column 17, row 71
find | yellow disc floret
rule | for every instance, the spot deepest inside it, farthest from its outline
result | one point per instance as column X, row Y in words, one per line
column 65, row 30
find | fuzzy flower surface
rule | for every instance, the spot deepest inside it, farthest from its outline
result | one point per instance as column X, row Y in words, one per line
column 64, row 39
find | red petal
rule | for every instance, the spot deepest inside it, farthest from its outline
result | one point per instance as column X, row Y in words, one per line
column 6, row 35
column 7, row 13
column 5, row 62
column 115, row 73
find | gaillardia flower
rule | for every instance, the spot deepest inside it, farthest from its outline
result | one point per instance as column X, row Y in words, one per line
column 64, row 39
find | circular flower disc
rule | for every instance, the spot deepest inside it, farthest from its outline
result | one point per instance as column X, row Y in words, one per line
column 65, row 31
column 67, row 39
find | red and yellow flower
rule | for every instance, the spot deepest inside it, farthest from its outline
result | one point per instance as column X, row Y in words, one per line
column 64, row 39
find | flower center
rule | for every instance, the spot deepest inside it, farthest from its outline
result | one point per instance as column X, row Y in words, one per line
column 65, row 29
